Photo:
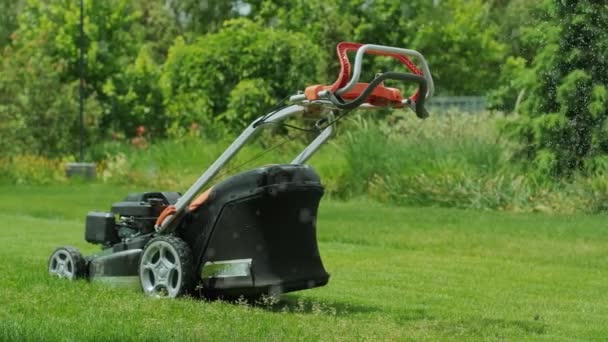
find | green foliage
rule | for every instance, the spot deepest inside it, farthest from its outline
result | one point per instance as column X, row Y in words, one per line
column 566, row 109
column 517, row 21
column 41, row 70
column 167, row 164
column 202, row 16
column 325, row 23
column 513, row 81
column 135, row 98
column 37, row 109
column 187, row 68
column 9, row 10
column 390, row 22
column 158, row 27
column 461, row 44
column 109, row 41
column 456, row 190
column 525, row 28
column 452, row 161
column 198, row 78
column 247, row 101
column 220, row 72
column 183, row 108
column 458, row 38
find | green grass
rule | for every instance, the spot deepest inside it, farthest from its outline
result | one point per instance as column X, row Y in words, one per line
column 396, row 274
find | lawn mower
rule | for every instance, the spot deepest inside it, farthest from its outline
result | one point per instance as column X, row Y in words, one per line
column 253, row 233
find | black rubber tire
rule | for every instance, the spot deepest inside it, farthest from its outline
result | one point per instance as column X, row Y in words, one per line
column 74, row 266
column 182, row 257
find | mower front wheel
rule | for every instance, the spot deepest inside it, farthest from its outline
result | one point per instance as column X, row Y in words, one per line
column 165, row 268
column 67, row 262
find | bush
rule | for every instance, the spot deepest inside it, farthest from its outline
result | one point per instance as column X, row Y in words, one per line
column 243, row 60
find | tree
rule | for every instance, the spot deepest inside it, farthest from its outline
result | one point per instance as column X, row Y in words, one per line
column 523, row 28
column 564, row 122
column 158, row 27
column 461, row 44
column 203, row 16
column 326, row 23
column 109, row 40
column 37, row 109
column 40, row 70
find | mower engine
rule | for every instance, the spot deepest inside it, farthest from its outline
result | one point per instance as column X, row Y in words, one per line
column 136, row 216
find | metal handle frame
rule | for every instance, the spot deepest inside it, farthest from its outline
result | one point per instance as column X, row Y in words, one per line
column 406, row 52
column 168, row 225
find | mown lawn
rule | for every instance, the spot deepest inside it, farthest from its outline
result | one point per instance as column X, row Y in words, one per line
column 396, row 274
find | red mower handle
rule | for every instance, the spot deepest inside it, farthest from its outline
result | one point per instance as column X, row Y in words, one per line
column 345, row 67
column 343, row 84
column 347, row 87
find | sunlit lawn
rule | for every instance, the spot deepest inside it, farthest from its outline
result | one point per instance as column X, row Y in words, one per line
column 396, row 274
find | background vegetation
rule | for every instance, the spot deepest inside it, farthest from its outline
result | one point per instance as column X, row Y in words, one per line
column 169, row 82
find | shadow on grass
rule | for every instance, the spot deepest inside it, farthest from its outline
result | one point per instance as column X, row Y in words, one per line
column 412, row 314
column 485, row 325
column 534, row 327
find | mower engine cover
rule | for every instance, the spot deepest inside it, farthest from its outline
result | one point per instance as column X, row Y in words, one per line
column 256, row 233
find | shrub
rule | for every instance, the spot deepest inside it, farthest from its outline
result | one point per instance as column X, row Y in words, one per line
column 242, row 59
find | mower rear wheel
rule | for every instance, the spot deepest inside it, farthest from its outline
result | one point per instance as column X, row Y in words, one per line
column 67, row 262
column 165, row 268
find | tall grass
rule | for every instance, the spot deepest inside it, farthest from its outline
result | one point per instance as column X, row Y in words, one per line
column 453, row 160
column 178, row 163
column 26, row 169
column 409, row 147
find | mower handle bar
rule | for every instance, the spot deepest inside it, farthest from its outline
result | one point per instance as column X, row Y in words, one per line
column 417, row 106
column 170, row 222
column 388, row 50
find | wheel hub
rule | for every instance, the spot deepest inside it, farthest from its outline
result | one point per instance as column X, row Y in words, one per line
column 160, row 269
column 162, row 272
column 62, row 265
